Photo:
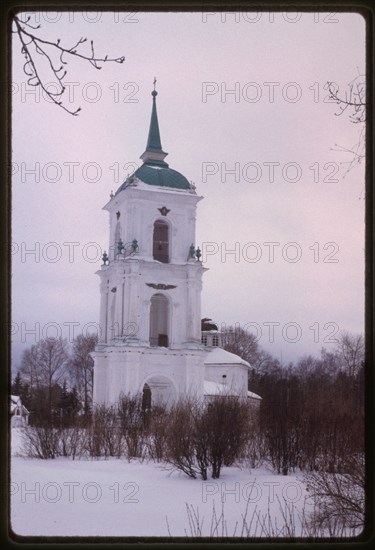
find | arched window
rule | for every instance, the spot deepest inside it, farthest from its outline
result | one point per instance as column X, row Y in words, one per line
column 159, row 321
column 160, row 241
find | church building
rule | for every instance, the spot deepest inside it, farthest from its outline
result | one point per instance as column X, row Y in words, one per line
column 150, row 293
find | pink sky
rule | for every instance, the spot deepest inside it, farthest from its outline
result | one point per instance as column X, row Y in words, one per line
column 190, row 54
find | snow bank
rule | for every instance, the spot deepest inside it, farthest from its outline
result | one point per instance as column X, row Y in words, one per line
column 62, row 497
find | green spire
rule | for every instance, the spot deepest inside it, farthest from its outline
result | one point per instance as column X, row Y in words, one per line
column 154, row 153
column 153, row 142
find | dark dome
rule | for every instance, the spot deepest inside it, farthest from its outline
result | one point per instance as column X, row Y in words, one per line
column 163, row 177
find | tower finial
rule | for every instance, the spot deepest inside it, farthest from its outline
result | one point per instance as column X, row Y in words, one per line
column 154, row 93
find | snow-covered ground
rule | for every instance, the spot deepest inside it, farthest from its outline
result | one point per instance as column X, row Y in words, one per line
column 113, row 497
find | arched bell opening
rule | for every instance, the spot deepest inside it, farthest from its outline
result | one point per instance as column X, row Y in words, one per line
column 159, row 321
column 160, row 242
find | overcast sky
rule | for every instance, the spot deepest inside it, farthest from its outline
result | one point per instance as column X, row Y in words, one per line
column 262, row 157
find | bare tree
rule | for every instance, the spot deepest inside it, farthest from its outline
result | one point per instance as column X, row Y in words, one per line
column 241, row 342
column 53, row 358
column 30, row 367
column 43, row 366
column 352, row 102
column 306, row 366
column 81, row 368
column 45, row 57
column 245, row 344
column 350, row 351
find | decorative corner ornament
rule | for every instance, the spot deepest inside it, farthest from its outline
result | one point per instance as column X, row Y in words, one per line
column 191, row 255
column 120, row 246
column 160, row 286
column 105, row 258
column 133, row 180
column 163, row 210
column 118, row 214
column 134, row 246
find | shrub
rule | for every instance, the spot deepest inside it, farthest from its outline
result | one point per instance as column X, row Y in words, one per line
column 41, row 441
column 229, row 424
column 180, row 438
column 156, row 432
column 103, row 435
column 338, row 498
column 131, row 419
column 202, row 437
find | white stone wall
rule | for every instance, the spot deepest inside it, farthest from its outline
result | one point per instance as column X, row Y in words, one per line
column 124, row 360
column 126, row 300
column 125, row 296
column 139, row 209
column 236, row 376
column 125, row 369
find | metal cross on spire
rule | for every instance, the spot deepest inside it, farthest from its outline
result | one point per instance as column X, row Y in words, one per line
column 154, row 82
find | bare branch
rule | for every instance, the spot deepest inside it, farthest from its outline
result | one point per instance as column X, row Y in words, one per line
column 354, row 99
column 353, row 103
column 30, row 42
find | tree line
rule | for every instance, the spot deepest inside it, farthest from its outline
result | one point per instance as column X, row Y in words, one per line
column 311, row 416
column 55, row 380
column 312, row 412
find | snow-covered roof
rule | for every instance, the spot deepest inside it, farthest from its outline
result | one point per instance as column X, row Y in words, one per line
column 253, row 395
column 219, row 356
column 15, row 401
column 216, row 388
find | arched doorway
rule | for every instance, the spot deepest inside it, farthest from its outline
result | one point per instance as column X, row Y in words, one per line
column 158, row 391
column 159, row 321
column 146, row 398
column 160, row 241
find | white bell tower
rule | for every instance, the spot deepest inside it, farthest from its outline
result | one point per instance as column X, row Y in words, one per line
column 150, row 285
